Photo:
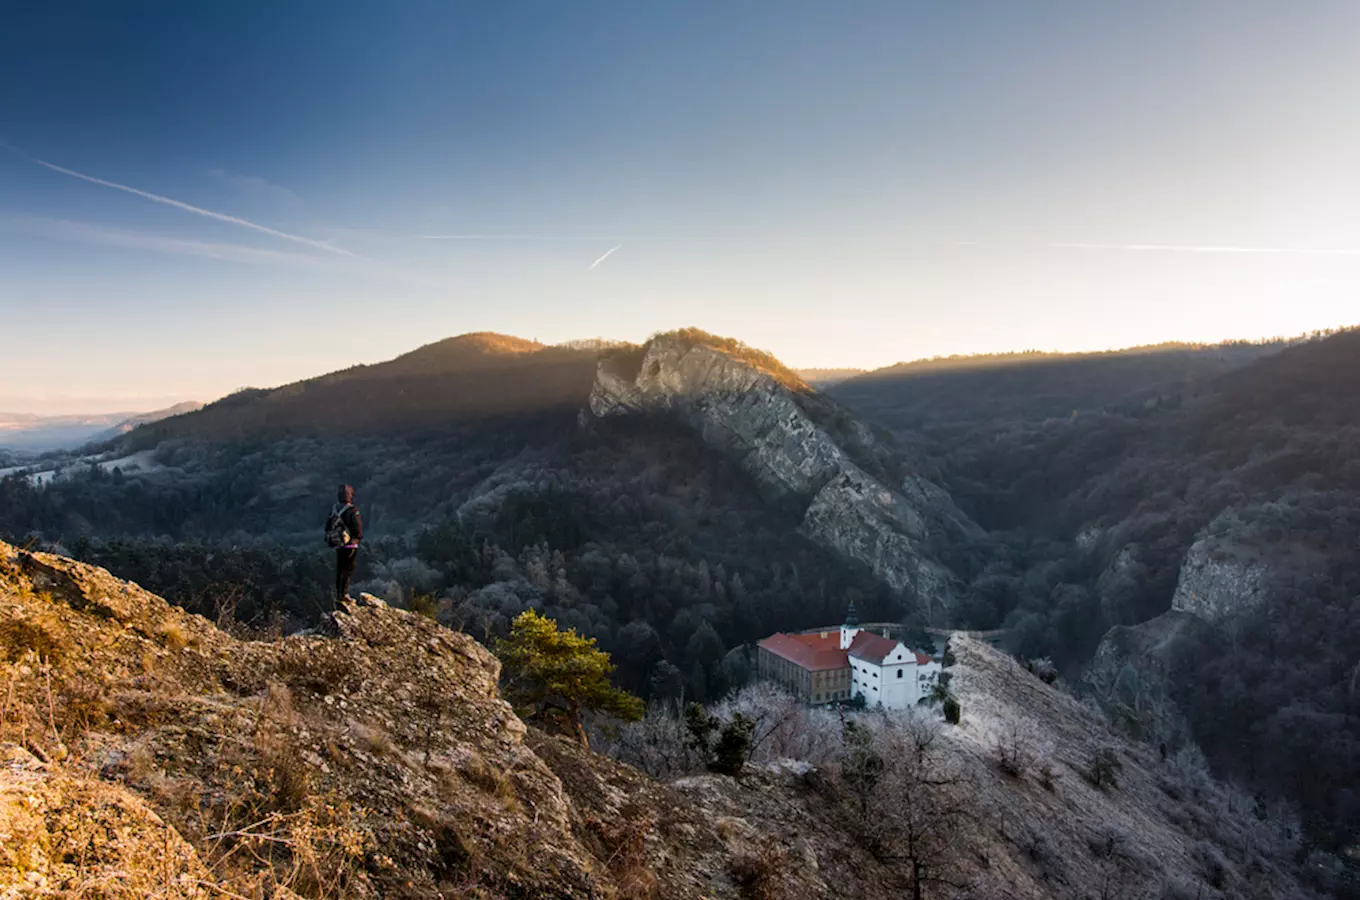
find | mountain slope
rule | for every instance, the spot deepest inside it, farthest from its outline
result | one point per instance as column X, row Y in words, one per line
column 856, row 496
column 1236, row 507
column 822, row 379
column 469, row 378
column 375, row 759
column 123, row 427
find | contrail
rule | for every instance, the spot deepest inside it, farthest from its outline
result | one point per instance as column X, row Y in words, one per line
column 221, row 217
column 608, row 253
column 507, row 237
column 133, row 240
column 1210, row 248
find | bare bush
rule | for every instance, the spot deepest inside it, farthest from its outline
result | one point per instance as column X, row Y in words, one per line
column 1015, row 751
column 658, row 743
column 1104, row 770
column 760, row 872
column 784, row 727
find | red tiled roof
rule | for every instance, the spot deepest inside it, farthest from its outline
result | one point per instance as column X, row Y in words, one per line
column 817, row 653
column 874, row 648
column 871, row 647
column 809, row 651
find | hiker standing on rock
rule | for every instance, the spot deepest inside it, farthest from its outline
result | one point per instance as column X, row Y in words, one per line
column 344, row 531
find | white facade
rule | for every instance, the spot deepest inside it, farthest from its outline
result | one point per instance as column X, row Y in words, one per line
column 900, row 681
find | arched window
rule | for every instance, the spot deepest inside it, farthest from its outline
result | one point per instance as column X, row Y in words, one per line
column 899, row 673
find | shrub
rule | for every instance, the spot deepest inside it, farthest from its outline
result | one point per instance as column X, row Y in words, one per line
column 1042, row 668
column 624, row 848
column 40, row 634
column 425, row 605
column 724, row 746
column 759, row 872
column 1105, row 769
column 1014, row 751
column 952, row 712
column 172, row 636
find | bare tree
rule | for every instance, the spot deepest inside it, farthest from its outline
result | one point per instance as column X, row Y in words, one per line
column 911, row 799
column 784, row 727
column 658, row 744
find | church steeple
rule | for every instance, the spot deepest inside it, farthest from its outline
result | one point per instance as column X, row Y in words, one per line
column 850, row 628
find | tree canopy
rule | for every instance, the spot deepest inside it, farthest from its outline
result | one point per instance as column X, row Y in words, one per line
column 554, row 676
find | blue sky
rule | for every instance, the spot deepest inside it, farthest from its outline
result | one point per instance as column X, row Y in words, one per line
column 197, row 197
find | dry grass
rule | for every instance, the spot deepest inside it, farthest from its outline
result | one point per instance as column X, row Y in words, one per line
column 172, row 636
column 40, row 634
column 760, row 360
column 761, row 871
column 623, row 848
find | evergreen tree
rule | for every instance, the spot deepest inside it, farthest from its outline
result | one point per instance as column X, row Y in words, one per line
column 553, row 676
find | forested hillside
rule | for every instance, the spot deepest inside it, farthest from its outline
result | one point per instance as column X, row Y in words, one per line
column 470, row 378
column 1097, row 513
column 1000, row 387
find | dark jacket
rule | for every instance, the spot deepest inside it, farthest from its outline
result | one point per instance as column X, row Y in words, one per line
column 353, row 524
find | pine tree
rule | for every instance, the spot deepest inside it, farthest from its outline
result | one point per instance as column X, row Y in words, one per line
column 553, row 676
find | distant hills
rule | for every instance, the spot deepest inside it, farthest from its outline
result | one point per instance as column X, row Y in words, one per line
column 462, row 379
column 825, row 378
column 25, row 433
column 1037, row 385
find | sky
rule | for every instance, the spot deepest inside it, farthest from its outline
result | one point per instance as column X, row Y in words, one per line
column 197, row 197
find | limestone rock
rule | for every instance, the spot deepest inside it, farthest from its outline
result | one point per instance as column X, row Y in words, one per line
column 1219, row 579
column 1135, row 666
column 64, row 835
column 777, row 430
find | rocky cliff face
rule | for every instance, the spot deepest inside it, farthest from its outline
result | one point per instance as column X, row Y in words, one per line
column 778, row 433
column 1136, row 667
column 1219, row 579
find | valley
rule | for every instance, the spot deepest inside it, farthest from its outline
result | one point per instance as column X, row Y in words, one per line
column 1149, row 520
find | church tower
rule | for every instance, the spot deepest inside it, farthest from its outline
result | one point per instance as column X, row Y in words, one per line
column 850, row 628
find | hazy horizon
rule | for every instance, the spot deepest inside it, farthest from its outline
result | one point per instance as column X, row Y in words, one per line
column 195, row 199
column 68, row 405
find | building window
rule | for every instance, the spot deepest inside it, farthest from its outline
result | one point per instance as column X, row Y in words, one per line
column 899, row 673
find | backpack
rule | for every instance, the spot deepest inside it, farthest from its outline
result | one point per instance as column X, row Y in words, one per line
column 337, row 535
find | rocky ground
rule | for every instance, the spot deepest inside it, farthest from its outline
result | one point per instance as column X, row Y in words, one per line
column 146, row 753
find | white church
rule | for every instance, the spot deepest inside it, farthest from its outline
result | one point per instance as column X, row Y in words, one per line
column 836, row 665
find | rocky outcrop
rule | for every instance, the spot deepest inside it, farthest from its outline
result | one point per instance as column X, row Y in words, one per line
column 1242, row 560
column 1136, row 667
column 1220, row 578
column 773, row 426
